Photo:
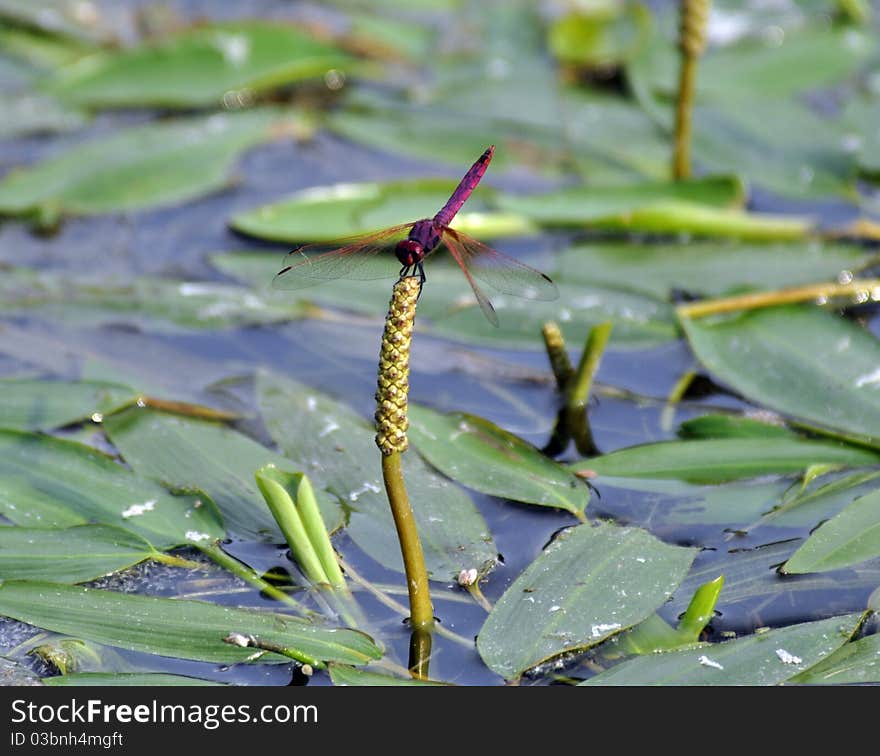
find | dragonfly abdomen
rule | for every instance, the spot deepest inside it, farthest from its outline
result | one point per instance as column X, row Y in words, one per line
column 464, row 188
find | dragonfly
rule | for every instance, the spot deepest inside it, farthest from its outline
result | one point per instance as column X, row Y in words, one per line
column 375, row 255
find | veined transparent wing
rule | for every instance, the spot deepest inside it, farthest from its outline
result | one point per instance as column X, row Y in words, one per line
column 363, row 258
column 502, row 273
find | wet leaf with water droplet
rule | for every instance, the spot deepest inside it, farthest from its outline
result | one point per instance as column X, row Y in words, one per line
column 602, row 579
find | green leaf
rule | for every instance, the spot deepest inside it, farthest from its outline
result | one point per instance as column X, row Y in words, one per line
column 335, row 448
column 175, row 627
column 766, row 658
column 142, row 166
column 600, row 37
column 124, row 679
column 707, row 268
column 732, row 426
column 330, row 213
column 208, row 65
column 159, row 303
column 50, row 483
column 850, row 537
column 582, row 205
column 589, row 583
column 343, row 675
column 799, row 360
column 68, row 555
column 855, row 663
column 27, row 114
column 477, row 453
column 188, row 453
column 699, row 207
column 722, row 459
column 30, row 404
column 53, row 17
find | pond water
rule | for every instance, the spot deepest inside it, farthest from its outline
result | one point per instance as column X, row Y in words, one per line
column 336, row 353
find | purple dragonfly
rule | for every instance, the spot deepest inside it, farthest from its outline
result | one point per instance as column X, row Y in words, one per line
column 369, row 256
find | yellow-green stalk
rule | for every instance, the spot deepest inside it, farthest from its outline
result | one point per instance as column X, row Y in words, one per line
column 391, row 427
column 691, row 43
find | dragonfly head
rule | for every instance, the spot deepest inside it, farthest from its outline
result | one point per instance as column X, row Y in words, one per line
column 409, row 252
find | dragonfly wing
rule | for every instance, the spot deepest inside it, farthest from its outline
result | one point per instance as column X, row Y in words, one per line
column 504, row 274
column 363, row 258
column 459, row 253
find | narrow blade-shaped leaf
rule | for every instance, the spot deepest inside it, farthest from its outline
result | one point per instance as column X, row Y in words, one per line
column 31, row 404
column 856, row 663
column 850, row 537
column 716, row 460
column 68, row 555
column 175, row 627
column 141, row 166
column 51, row 483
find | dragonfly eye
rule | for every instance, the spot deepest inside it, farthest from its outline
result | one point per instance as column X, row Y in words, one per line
column 409, row 252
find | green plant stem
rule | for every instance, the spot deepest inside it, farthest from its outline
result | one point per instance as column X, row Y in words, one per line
column 421, row 609
column 249, row 576
column 174, row 561
column 420, row 643
column 678, row 391
column 681, row 156
column 554, row 343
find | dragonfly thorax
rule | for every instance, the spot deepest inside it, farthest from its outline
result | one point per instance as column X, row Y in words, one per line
column 409, row 252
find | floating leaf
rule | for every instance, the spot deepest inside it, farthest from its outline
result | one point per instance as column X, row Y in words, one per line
column 850, row 537
column 768, row 658
column 156, row 164
column 720, row 459
column 698, row 207
column 50, row 483
column 710, row 269
column 220, row 461
column 69, row 555
column 27, row 114
column 482, row 456
column 855, row 663
column 124, row 679
column 30, row 404
column 175, row 627
column 581, row 205
column 799, row 360
column 732, row 426
column 590, row 583
column 159, row 303
column 203, row 66
column 328, row 213
column 335, row 448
